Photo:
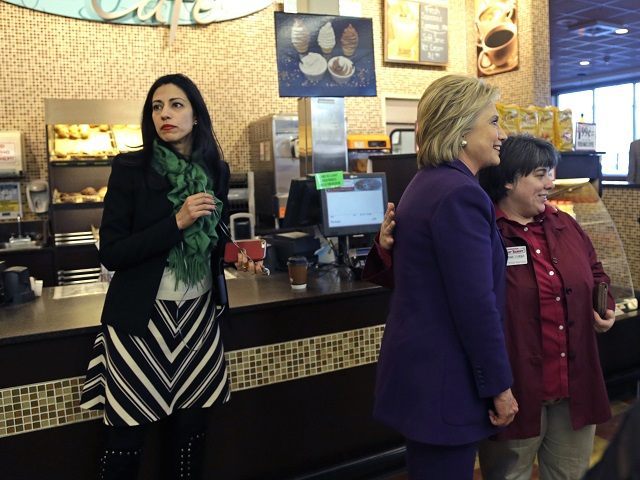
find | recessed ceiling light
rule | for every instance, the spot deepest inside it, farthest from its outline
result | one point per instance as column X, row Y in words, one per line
column 622, row 31
column 593, row 28
column 584, row 63
column 566, row 22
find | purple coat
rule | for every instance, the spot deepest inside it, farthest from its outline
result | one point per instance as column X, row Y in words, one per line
column 443, row 354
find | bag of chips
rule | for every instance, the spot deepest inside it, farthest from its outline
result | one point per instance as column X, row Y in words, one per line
column 509, row 118
column 564, row 130
column 529, row 120
column 546, row 123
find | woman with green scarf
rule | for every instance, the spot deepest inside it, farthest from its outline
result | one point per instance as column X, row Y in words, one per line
column 159, row 352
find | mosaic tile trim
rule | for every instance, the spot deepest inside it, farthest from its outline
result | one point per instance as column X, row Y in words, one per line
column 42, row 405
column 623, row 205
column 38, row 406
column 281, row 362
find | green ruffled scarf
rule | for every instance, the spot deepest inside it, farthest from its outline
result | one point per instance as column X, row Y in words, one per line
column 189, row 260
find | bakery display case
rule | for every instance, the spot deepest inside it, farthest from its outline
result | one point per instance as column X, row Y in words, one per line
column 83, row 136
column 579, row 164
column 579, row 198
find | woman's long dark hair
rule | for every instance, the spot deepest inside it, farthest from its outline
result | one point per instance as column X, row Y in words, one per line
column 205, row 143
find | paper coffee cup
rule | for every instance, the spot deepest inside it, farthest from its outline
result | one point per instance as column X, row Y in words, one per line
column 297, row 272
column 37, row 290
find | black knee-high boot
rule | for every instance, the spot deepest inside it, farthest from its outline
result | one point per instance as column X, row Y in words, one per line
column 186, row 446
column 190, row 458
column 121, row 457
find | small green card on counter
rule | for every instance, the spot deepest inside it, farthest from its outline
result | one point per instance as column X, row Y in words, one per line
column 329, row 180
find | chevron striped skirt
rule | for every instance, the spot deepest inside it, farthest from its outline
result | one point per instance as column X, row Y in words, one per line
column 178, row 364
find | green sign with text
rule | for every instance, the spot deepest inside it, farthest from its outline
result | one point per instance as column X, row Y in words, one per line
column 329, row 180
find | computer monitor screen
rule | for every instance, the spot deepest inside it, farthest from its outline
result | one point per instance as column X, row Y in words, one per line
column 356, row 207
column 399, row 168
column 303, row 204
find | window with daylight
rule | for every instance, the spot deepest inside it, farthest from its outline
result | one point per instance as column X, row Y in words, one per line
column 615, row 110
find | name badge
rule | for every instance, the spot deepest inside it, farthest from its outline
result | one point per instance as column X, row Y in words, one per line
column 516, row 256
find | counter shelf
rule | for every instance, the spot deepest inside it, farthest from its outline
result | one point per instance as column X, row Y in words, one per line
column 81, row 162
column 109, row 127
column 76, row 205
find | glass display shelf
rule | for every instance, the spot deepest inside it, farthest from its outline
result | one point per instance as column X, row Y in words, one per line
column 579, row 198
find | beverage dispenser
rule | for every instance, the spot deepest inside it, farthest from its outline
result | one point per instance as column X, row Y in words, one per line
column 361, row 147
column 274, row 163
column 323, row 135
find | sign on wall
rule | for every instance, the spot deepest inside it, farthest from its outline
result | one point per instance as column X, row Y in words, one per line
column 147, row 12
column 10, row 204
column 497, row 36
column 416, row 31
column 585, row 136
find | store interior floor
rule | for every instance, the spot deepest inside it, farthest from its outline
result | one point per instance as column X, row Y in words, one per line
column 604, row 433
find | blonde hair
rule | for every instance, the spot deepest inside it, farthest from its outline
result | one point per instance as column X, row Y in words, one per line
column 447, row 111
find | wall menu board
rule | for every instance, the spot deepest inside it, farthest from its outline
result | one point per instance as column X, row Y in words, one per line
column 416, row 31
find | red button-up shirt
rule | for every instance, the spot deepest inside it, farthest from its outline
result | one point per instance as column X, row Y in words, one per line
column 553, row 314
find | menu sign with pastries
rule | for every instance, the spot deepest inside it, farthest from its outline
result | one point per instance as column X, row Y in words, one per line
column 324, row 56
column 416, row 31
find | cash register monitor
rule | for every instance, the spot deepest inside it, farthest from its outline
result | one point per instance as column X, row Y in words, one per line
column 400, row 169
column 357, row 207
column 303, row 204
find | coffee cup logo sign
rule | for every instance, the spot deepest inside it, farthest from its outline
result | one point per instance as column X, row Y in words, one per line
column 497, row 36
column 148, row 12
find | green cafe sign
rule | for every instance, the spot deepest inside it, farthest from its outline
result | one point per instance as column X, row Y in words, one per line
column 147, row 12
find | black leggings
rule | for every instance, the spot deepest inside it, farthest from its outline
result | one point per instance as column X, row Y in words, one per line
column 183, row 424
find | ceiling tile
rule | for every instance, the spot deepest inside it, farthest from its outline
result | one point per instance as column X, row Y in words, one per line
column 613, row 56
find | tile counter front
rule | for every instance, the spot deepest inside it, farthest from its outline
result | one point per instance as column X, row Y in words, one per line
column 308, row 357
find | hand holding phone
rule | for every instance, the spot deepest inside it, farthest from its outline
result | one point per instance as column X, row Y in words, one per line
column 255, row 250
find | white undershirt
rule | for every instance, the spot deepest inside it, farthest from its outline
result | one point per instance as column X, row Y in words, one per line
column 168, row 290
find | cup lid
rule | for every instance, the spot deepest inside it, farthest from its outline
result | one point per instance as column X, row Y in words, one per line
column 297, row 260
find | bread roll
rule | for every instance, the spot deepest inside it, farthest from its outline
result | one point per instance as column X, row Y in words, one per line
column 62, row 131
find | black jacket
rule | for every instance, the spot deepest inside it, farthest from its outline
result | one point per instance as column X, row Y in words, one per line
column 621, row 459
column 138, row 231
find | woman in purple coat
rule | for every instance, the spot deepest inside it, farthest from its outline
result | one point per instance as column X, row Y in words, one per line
column 443, row 377
column 550, row 325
